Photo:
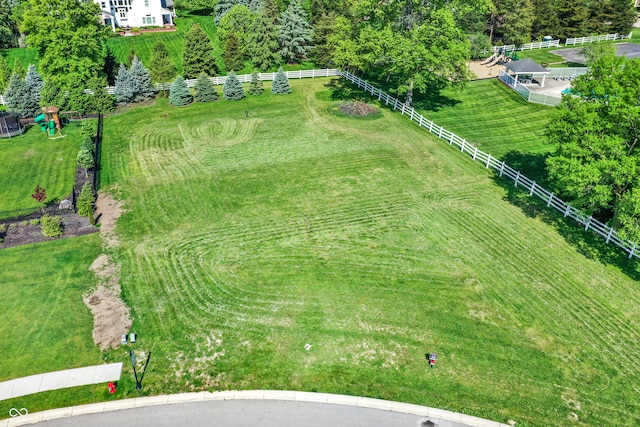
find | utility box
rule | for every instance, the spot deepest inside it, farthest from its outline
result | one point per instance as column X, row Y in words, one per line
column 123, row 339
column 132, row 337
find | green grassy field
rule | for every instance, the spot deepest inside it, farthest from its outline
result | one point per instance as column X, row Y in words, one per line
column 36, row 159
column 494, row 118
column 247, row 238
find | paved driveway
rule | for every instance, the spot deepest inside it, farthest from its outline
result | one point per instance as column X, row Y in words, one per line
column 630, row 50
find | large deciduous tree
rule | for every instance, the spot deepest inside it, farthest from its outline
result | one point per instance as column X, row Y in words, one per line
column 198, row 54
column 597, row 161
column 68, row 36
column 296, row 34
column 8, row 28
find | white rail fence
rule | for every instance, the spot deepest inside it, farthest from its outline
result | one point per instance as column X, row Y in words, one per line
column 602, row 38
column 527, row 46
column 526, row 93
column 503, row 170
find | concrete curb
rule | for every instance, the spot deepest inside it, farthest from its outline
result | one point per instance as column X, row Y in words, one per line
column 301, row 396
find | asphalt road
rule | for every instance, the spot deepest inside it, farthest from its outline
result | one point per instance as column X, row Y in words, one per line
column 249, row 413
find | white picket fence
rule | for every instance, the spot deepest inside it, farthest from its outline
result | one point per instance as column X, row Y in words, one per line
column 504, row 170
column 527, row 46
column 246, row 78
column 605, row 37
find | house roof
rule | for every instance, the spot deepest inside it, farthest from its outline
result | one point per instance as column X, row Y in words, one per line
column 526, row 66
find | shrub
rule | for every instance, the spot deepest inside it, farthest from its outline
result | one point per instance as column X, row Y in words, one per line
column 85, row 202
column 281, row 83
column 232, row 89
column 256, row 87
column 3, row 228
column 51, row 226
column 34, row 221
column 87, row 128
column 85, row 160
column 88, row 145
column 24, row 223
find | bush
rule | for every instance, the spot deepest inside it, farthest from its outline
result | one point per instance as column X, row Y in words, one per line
column 24, row 223
column 85, row 202
column 88, row 145
column 179, row 94
column 51, row 226
column 3, row 228
column 87, row 128
column 35, row 221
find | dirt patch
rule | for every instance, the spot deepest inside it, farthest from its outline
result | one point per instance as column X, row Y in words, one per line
column 108, row 210
column 111, row 317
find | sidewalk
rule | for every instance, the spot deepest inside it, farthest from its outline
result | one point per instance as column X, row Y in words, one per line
column 60, row 379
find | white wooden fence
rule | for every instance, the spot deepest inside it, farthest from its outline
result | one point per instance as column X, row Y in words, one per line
column 605, row 37
column 246, row 78
column 526, row 93
column 503, row 170
column 527, row 46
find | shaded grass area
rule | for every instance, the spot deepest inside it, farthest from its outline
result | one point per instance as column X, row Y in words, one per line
column 32, row 159
column 25, row 56
column 247, row 238
column 41, row 293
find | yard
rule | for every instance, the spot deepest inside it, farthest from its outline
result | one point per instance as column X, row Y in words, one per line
column 32, row 159
column 293, row 249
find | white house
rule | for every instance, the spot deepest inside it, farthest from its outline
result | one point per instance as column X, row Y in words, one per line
column 136, row 13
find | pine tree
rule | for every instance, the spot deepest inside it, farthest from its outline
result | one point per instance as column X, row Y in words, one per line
column 322, row 50
column 205, row 90
column 35, row 82
column 281, row 83
column 222, row 8
column 545, row 22
column 52, row 94
column 124, row 86
column 132, row 55
column 179, row 94
column 255, row 5
column 85, row 201
column 110, row 68
column 101, row 101
column 85, row 160
column 18, row 68
column 163, row 69
column 574, row 18
column 623, row 15
column 77, row 100
column 19, row 97
column 295, row 33
column 198, row 54
column 256, row 87
column 233, row 57
column 5, row 74
column 141, row 81
column 262, row 43
column 232, row 89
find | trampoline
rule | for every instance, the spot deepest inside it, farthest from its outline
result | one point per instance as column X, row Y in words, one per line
column 10, row 125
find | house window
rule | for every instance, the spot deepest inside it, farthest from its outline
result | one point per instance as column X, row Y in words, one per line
column 104, row 5
column 149, row 20
column 123, row 14
column 146, row 3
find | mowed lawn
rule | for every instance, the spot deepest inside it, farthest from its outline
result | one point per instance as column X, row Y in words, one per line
column 293, row 249
column 495, row 119
column 31, row 159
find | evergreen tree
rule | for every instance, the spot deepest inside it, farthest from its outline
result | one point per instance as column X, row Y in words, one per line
column 8, row 28
column 322, row 50
column 110, row 68
column 233, row 57
column 5, row 74
column 35, row 82
column 141, row 81
column 205, row 90
column 232, row 89
column 574, row 18
column 256, row 87
column 163, row 69
column 101, row 101
column 255, row 5
column 19, row 98
column 132, row 55
column 545, row 22
column 85, row 160
column 295, row 33
column 18, row 68
column 78, row 100
column 124, row 86
column 623, row 15
column 198, row 54
column 517, row 16
column 222, row 8
column 85, row 201
column 262, row 43
column 179, row 94
column 281, row 83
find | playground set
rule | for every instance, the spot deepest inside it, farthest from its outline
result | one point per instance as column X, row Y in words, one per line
column 50, row 122
column 501, row 57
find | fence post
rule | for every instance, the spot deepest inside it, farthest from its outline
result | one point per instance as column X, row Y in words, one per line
column 515, row 183
column 633, row 248
column 549, row 201
column 475, row 152
column 501, row 168
column 395, row 104
column 609, row 234
column 420, row 121
column 430, row 126
column 533, row 186
column 488, row 160
column 440, row 133
column 566, row 211
column 587, row 222
column 451, row 143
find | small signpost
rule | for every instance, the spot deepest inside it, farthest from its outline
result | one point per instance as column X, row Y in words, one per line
column 135, row 373
column 431, row 358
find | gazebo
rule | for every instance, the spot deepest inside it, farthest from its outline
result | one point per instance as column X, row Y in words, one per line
column 527, row 69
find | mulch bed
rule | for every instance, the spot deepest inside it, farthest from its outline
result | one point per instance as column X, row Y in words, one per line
column 18, row 234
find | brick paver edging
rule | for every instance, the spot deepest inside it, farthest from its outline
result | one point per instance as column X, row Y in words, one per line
column 300, row 396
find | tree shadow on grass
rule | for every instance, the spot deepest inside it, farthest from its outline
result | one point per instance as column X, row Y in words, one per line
column 343, row 90
column 586, row 242
column 433, row 100
column 531, row 165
